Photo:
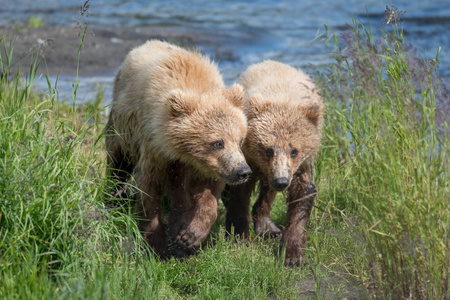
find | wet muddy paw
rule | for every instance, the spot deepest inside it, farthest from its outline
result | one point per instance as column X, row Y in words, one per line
column 178, row 250
column 272, row 234
column 188, row 239
column 267, row 228
column 186, row 242
column 294, row 261
column 292, row 258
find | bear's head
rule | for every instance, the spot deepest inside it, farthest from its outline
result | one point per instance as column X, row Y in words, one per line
column 207, row 131
column 281, row 137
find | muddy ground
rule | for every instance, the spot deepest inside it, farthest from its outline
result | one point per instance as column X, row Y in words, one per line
column 102, row 52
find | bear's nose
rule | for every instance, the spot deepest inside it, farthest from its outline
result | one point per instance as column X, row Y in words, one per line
column 281, row 183
column 244, row 173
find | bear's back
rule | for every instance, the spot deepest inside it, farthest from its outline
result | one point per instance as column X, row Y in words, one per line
column 156, row 68
column 279, row 83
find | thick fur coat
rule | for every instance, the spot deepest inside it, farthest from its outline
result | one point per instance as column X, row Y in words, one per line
column 178, row 130
column 284, row 133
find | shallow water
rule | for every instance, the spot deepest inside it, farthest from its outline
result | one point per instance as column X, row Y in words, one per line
column 246, row 32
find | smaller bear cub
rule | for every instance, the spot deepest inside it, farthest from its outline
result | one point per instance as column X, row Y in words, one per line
column 284, row 132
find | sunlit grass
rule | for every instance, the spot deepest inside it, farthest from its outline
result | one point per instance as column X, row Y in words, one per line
column 55, row 239
column 384, row 163
column 380, row 226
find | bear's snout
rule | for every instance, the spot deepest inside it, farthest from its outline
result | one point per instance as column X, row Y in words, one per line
column 239, row 175
column 281, row 183
column 244, row 173
column 280, row 172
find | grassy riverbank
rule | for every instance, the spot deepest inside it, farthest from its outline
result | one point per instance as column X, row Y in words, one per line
column 380, row 226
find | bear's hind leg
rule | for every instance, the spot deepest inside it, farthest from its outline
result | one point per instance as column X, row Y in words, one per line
column 118, row 162
column 264, row 226
column 148, row 208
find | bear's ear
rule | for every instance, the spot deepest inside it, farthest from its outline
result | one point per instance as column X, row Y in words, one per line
column 256, row 105
column 235, row 94
column 179, row 104
column 313, row 112
column 256, row 100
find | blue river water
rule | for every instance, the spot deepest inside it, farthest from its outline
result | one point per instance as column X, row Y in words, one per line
column 283, row 30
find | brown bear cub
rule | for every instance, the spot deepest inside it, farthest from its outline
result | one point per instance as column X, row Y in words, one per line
column 284, row 131
column 178, row 130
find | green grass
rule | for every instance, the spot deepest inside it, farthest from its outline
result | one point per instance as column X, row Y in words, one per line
column 385, row 162
column 55, row 239
column 380, row 227
column 35, row 21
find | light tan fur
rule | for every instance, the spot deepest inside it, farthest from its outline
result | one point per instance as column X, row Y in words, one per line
column 284, row 132
column 170, row 109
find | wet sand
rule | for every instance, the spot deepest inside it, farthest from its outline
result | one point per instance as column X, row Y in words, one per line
column 101, row 54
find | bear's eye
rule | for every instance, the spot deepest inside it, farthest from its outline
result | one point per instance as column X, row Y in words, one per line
column 294, row 153
column 269, row 152
column 218, row 145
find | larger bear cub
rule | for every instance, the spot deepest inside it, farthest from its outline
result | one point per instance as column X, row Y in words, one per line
column 284, row 133
column 178, row 130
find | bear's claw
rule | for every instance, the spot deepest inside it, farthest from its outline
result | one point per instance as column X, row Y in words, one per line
column 183, row 244
column 265, row 227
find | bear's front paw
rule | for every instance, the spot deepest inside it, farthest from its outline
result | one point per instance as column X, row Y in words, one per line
column 177, row 249
column 190, row 229
column 189, row 238
column 294, row 261
column 293, row 256
column 186, row 242
column 265, row 227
